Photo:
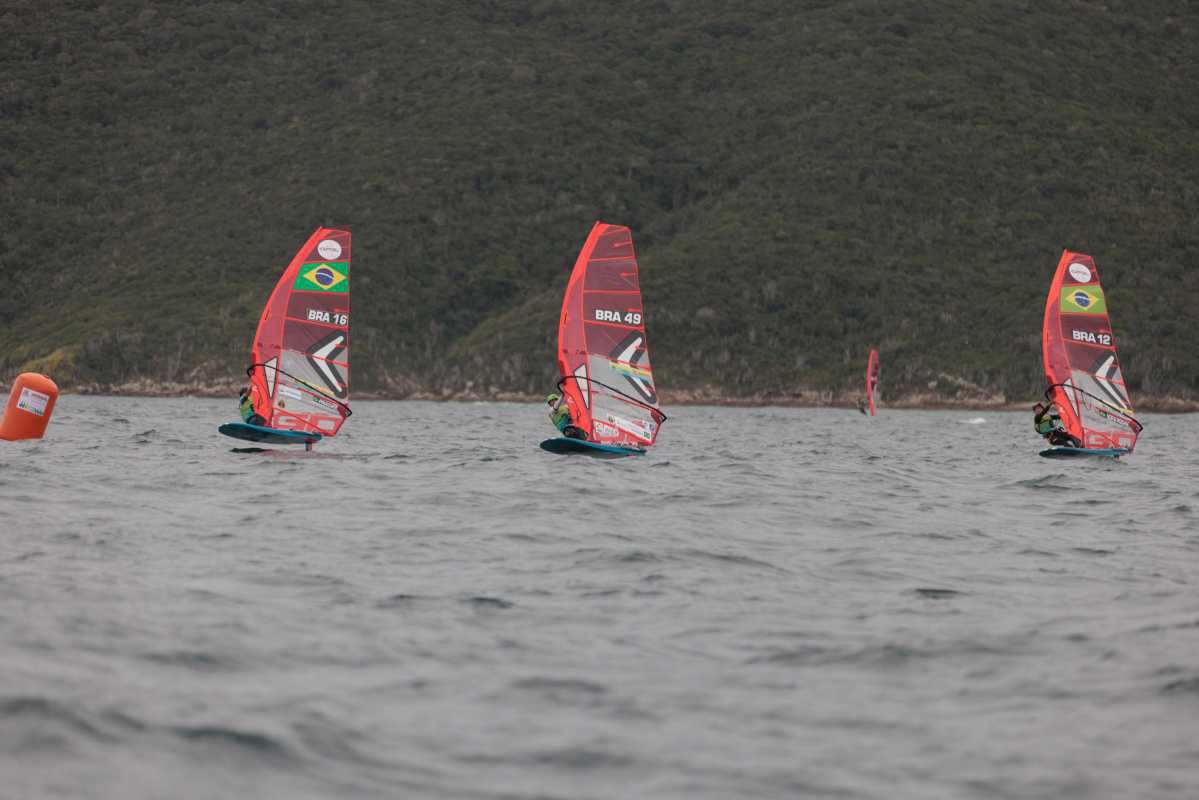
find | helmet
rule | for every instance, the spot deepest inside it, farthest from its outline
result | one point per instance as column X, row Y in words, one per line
column 553, row 398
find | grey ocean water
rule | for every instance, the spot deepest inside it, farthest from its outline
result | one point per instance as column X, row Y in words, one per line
column 773, row 603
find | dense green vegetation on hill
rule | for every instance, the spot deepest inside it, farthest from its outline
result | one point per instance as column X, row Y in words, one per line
column 804, row 179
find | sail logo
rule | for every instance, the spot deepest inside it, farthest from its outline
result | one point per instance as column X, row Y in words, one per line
column 327, row 276
column 630, row 370
column 329, row 249
column 1080, row 272
column 604, row 429
column 326, row 356
column 1083, row 301
column 629, row 358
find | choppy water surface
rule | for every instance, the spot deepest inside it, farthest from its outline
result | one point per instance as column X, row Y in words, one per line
column 773, row 603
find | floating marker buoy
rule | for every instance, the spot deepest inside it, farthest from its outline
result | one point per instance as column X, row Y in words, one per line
column 30, row 405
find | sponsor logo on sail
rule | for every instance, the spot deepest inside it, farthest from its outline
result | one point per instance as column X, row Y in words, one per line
column 329, row 250
column 604, row 429
column 630, row 370
column 634, row 426
column 1080, row 272
column 321, row 356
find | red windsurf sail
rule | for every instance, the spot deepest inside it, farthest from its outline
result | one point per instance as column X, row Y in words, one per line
column 872, row 372
column 1079, row 351
column 602, row 353
column 301, row 368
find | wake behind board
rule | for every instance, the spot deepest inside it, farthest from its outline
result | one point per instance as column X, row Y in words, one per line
column 565, row 446
column 258, row 433
column 1075, row 452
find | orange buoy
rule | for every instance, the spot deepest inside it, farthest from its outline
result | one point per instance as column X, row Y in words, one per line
column 30, row 405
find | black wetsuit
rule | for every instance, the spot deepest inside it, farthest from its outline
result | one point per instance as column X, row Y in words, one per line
column 1059, row 438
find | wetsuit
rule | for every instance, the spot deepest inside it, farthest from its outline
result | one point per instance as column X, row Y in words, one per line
column 247, row 410
column 1049, row 424
column 1044, row 422
column 560, row 416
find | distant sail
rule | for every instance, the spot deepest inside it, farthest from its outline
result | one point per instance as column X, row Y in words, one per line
column 302, row 347
column 1079, row 353
column 872, row 372
column 602, row 352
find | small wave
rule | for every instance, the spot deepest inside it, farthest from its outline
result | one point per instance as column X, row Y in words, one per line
column 258, row 744
column 562, row 690
column 793, row 656
column 1056, row 481
column 1188, row 685
column 972, row 421
column 489, row 602
column 936, row 594
column 637, row 557
column 200, row 662
column 397, row 600
column 581, row 758
column 571, row 684
column 331, row 740
column 888, row 654
column 43, row 709
column 740, row 561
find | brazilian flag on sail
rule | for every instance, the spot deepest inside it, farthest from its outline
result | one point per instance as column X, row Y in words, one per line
column 332, row 277
column 1083, row 300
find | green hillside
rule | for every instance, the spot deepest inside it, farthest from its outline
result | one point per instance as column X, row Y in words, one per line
column 804, row 179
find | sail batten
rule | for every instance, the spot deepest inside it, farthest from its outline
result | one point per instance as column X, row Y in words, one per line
column 1082, row 369
column 301, row 351
column 603, row 354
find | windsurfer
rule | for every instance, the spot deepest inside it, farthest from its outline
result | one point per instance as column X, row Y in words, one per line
column 560, row 416
column 1048, row 422
column 247, row 407
column 862, row 405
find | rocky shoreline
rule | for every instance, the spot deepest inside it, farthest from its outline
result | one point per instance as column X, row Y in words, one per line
column 686, row 397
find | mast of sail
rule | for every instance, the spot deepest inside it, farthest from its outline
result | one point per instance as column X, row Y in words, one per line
column 572, row 340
